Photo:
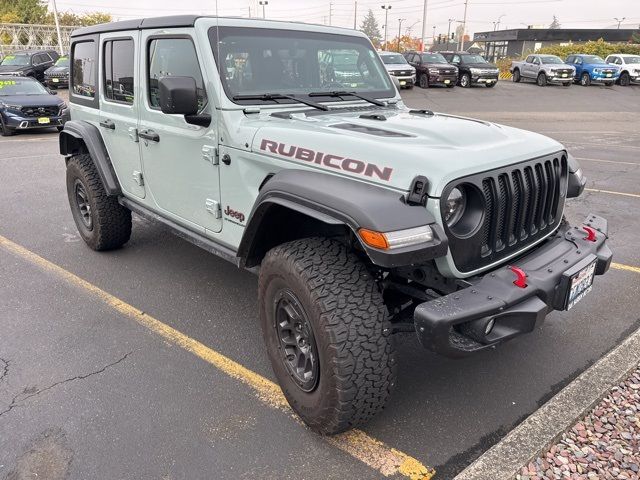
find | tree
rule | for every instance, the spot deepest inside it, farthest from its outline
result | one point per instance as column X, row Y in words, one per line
column 74, row 20
column 635, row 38
column 555, row 24
column 407, row 42
column 371, row 29
column 22, row 11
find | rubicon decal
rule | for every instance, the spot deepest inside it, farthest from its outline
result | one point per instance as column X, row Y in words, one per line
column 327, row 159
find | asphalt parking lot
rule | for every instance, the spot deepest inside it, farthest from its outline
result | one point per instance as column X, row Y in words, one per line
column 87, row 390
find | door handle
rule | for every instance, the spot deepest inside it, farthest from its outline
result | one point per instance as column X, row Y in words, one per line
column 108, row 124
column 149, row 135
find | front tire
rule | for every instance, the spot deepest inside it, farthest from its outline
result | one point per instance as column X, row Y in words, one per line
column 6, row 131
column 319, row 303
column 423, row 80
column 465, row 80
column 585, row 79
column 102, row 222
column 625, row 79
column 516, row 76
column 542, row 80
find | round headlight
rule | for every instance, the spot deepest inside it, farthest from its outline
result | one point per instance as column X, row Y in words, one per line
column 454, row 206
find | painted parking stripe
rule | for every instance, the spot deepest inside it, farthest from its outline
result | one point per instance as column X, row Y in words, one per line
column 358, row 444
column 622, row 266
column 596, row 190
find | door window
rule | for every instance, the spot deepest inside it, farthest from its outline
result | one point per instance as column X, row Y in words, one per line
column 173, row 57
column 118, row 70
column 84, row 69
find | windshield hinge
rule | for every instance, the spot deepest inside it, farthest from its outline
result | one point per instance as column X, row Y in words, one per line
column 418, row 191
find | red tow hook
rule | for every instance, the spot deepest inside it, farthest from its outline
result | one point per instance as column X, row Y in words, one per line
column 591, row 233
column 521, row 277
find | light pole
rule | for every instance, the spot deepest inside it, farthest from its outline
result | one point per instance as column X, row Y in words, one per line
column 55, row 17
column 433, row 39
column 464, row 25
column 497, row 24
column 386, row 9
column 424, row 24
column 400, row 20
column 263, row 3
column 619, row 20
column 451, row 20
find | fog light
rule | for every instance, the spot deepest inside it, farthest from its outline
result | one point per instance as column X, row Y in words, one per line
column 489, row 326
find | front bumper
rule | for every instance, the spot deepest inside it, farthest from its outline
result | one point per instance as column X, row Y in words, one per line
column 438, row 79
column 454, row 325
column 483, row 79
column 17, row 122
column 409, row 80
column 559, row 78
column 598, row 78
column 56, row 82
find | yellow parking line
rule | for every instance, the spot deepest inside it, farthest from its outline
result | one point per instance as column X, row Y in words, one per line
column 612, row 192
column 622, row 266
column 372, row 452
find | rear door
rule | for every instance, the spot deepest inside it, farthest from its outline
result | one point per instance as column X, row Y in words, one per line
column 119, row 112
column 179, row 159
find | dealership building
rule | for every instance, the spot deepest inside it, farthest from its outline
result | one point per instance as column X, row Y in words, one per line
column 520, row 41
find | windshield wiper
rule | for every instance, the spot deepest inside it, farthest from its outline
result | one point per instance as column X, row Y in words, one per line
column 280, row 96
column 347, row 94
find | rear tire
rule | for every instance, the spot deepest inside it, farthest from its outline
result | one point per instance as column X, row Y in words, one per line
column 516, row 76
column 102, row 222
column 315, row 290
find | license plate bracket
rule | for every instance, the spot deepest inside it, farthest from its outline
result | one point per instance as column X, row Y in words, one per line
column 577, row 282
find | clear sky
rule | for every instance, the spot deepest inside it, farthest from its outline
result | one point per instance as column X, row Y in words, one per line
column 481, row 14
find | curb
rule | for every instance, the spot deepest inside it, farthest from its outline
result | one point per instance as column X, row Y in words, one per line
column 543, row 427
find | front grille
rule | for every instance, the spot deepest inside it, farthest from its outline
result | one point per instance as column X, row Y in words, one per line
column 447, row 71
column 520, row 205
column 47, row 111
column 57, row 74
column 401, row 73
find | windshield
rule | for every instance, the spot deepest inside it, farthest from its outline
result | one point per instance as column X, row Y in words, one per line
column 62, row 62
column 21, row 87
column 631, row 59
column 592, row 59
column 255, row 61
column 16, row 60
column 393, row 59
column 473, row 59
column 433, row 58
column 551, row 60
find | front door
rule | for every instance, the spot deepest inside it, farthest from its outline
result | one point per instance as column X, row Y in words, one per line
column 119, row 109
column 179, row 159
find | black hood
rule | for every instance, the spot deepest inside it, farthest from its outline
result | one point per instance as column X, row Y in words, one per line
column 44, row 100
column 55, row 69
column 13, row 68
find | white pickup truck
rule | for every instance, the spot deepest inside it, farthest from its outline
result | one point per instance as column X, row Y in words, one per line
column 544, row 69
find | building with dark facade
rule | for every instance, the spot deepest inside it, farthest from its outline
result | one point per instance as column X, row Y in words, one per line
column 521, row 41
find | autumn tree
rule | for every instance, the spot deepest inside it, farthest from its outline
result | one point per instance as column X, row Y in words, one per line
column 371, row 29
column 22, row 11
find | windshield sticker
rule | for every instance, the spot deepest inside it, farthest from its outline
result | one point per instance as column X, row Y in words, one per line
column 7, row 82
column 10, row 57
column 350, row 165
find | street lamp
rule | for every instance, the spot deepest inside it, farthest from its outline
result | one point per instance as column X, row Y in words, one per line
column 263, row 3
column 433, row 39
column 497, row 24
column 619, row 20
column 386, row 9
column 400, row 20
column 451, row 20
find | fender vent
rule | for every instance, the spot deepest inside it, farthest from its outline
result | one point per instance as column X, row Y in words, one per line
column 378, row 132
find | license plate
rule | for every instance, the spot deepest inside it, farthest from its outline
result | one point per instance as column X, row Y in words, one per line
column 402, row 82
column 55, row 80
column 609, row 75
column 565, row 75
column 447, row 82
column 44, row 120
column 580, row 282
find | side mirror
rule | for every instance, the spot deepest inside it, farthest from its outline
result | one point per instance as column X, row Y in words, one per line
column 52, row 92
column 178, row 95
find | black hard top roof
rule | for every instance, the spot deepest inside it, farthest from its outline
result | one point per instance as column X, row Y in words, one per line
column 139, row 24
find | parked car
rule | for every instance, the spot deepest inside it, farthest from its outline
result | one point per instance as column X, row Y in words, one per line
column 629, row 67
column 398, row 67
column 473, row 69
column 593, row 69
column 28, row 63
column 360, row 216
column 25, row 103
column 58, row 74
column 543, row 69
column 432, row 69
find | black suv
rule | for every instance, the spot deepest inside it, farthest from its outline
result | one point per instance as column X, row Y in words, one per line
column 58, row 74
column 473, row 69
column 28, row 63
column 432, row 69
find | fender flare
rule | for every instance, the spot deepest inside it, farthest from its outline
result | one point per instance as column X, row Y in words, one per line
column 339, row 201
column 79, row 137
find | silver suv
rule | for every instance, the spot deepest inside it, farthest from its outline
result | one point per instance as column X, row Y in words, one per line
column 286, row 149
